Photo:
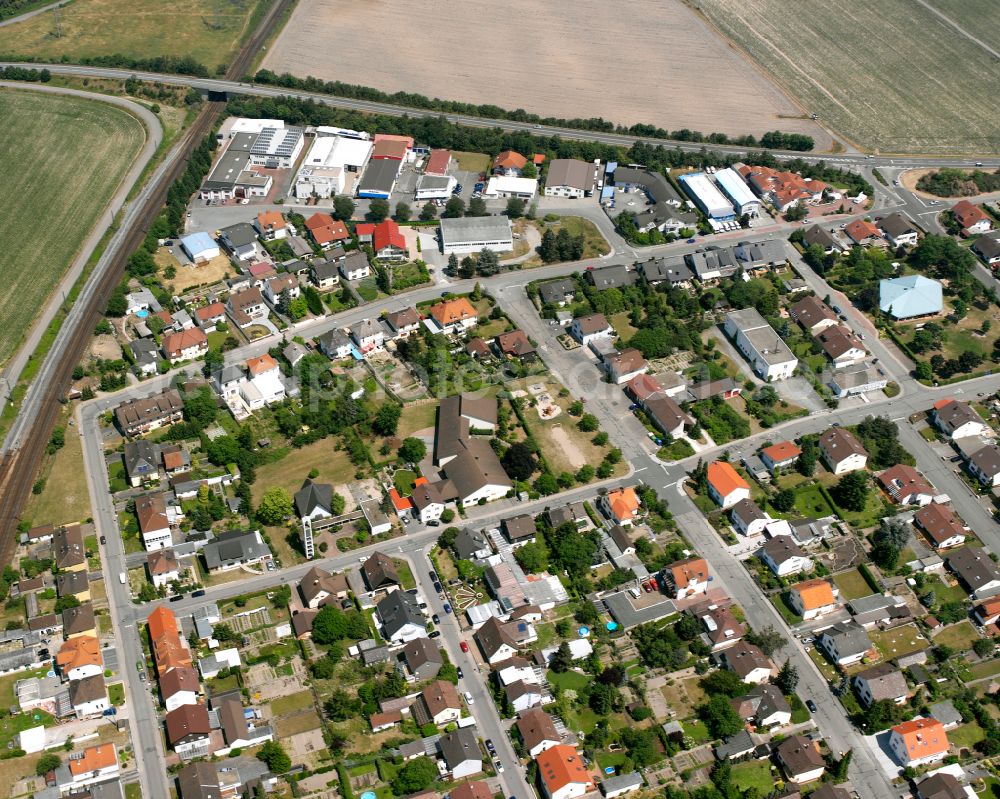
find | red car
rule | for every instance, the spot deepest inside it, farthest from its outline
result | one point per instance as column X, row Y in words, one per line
column 465, row 646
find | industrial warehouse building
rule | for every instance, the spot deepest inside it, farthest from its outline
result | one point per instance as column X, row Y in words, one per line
column 233, row 175
column 379, row 178
column 707, row 196
column 769, row 356
column 326, row 169
column 504, row 186
column 734, row 187
column 435, row 187
column 474, row 233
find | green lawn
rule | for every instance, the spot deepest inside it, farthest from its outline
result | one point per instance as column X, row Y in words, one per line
column 754, row 774
column 64, row 157
column 472, row 162
column 696, row 731
column 367, row 289
column 959, row 636
column 286, row 705
column 332, row 464
column 810, row 502
column 966, row 736
column 898, row 641
column 10, row 726
column 403, row 479
column 852, row 585
column 989, row 668
column 116, row 477
column 944, row 593
column 405, row 575
column 569, row 680
column 116, row 694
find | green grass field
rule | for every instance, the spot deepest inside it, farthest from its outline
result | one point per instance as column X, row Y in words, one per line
column 63, row 159
column 852, row 585
column 206, row 30
column 959, row 636
column 842, row 61
column 754, row 774
column 333, row 465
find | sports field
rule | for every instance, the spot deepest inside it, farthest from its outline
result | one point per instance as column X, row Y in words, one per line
column 206, row 30
column 642, row 61
column 63, row 159
column 890, row 76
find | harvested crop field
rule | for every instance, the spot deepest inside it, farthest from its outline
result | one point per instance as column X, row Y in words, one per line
column 206, row 30
column 645, row 61
column 981, row 18
column 891, row 76
column 63, row 159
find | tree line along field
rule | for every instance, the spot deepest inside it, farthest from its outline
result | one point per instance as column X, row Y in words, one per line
column 208, row 31
column 890, row 76
column 64, row 157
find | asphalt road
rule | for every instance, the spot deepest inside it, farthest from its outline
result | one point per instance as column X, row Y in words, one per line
column 154, row 135
column 236, row 87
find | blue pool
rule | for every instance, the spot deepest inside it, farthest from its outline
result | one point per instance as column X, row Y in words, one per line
column 142, row 314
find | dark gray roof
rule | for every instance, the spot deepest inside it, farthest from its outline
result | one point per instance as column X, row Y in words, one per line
column 621, row 782
column 895, row 224
column 713, row 260
column 673, row 269
column 313, row 495
column 735, row 746
column 468, row 542
column 421, row 651
column 379, row 571
column 748, row 511
column 973, row 566
column 555, row 291
column 850, row 638
column 234, row 546
column 816, row 234
column 89, row 689
column 140, row 454
column 475, row 467
column 885, row 681
column 459, row 746
column 199, row 781
column 987, row 460
column 325, row 270
column 757, row 253
column 988, row 246
column 239, row 235
column 614, row 276
column 570, row 172
column 379, row 176
column 398, row 609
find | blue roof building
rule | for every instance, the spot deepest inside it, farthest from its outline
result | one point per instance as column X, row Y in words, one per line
column 200, row 246
column 910, row 296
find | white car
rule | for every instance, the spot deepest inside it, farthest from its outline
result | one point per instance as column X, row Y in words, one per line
column 468, row 698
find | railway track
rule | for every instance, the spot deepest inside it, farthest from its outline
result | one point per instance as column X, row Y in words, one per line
column 20, row 465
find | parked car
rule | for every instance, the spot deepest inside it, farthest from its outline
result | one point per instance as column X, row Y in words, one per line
column 489, row 745
column 498, row 765
column 433, row 575
column 468, row 698
column 199, row 592
column 433, row 523
column 458, row 671
column 436, row 619
column 447, row 608
column 177, row 597
column 811, row 705
column 691, row 241
column 465, row 646
column 104, row 539
column 435, row 634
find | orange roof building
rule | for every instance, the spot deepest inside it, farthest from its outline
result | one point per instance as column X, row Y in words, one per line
column 919, row 741
column 162, row 622
column 971, row 217
column 725, row 485
column 326, row 230
column 780, row 455
column 813, row 598
column 94, row 760
column 80, row 657
column 454, row 313
column 861, row 231
column 509, row 161
column 261, row 364
column 621, row 504
column 563, row 773
column 270, row 221
column 987, row 612
column 687, row 577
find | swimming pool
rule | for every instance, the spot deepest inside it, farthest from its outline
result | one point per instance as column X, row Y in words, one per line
column 142, row 313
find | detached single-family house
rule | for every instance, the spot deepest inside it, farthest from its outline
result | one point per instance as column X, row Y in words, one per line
column 276, row 286
column 334, row 345
column 988, row 248
column 241, row 241
column 180, row 686
column 621, row 505
column 941, row 525
column 495, row 642
column 163, row 567
column 355, row 266
column 971, row 218
column 841, row 346
column 563, row 773
column 687, row 577
column 845, row 643
column 841, row 451
column 900, row 231
column 814, row 315
column 154, row 523
column 538, row 731
column 748, row 662
column 184, row 346
column 975, row 569
column 764, row 707
column 509, row 163
column 271, row 225
column 319, row 588
column 800, row 759
column 209, row 316
column 725, row 485
column 784, row 557
column 234, row 549
column 863, row 233
column 883, row 681
column 747, row 518
column 438, row 703
column 401, row 617
column 813, row 598
column 380, row 573
column 957, row 419
column 587, row 328
column 623, row 366
column 188, row 731
column 461, row 753
column 80, row 657
column 325, row 274
column 668, row 417
column 368, row 335
column 987, row 612
column 403, row 322
column 388, row 242
column 423, row 659
column 906, row 486
column 918, row 742
column 325, row 230
column 89, row 696
column 780, row 456
column 454, row 316
column 984, row 464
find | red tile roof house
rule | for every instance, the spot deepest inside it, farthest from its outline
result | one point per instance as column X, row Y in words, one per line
column 940, row 525
column 864, row 233
column 210, row 315
column 971, row 218
column 184, row 346
column 509, row 163
column 780, row 456
column 364, row 232
column 325, row 230
column 906, row 486
column 388, row 242
column 725, row 485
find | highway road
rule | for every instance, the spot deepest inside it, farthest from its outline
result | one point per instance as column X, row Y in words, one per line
column 259, row 90
column 154, row 135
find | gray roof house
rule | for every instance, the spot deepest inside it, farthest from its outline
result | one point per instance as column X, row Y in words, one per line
column 235, row 548
column 883, row 681
column 471, row 545
column 672, row 270
column 423, row 658
column 141, row 458
column 557, row 292
column 611, row 277
column 845, row 643
column 461, row 753
column 977, row 571
column 401, row 617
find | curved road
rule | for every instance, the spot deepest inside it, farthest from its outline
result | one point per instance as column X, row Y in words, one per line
column 154, row 135
column 35, row 13
column 236, row 87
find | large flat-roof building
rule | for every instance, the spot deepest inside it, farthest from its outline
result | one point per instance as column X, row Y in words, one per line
column 707, row 196
column 767, row 353
column 233, row 175
column 666, row 211
column 379, row 178
column 506, row 186
column 474, row 233
column 325, row 169
column 734, row 187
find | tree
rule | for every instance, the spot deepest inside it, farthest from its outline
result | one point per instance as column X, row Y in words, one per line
column 415, row 776
column 851, row 491
column 66, row 602
column 588, row 423
column 223, row 632
column 477, row 207
column 455, row 207
column 519, row 461
column 46, row 763
column 274, row 506
column 403, row 212
column 412, row 450
column 640, row 744
column 341, row 706
column 467, row 267
column 841, row 767
column 784, row 500
column 428, row 212
column 724, row 683
column 984, row 647
column 387, row 418
column 720, row 717
column 562, row 660
column 533, row 557
column 767, row 639
column 343, row 208
column 515, row 207
column 487, row 263
column 788, row 678
column 378, row 210
column 796, row 213
column 806, row 464
column 604, row 699
column 548, row 250
column 274, row 755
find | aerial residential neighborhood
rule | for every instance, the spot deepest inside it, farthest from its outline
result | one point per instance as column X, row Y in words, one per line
column 464, row 425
